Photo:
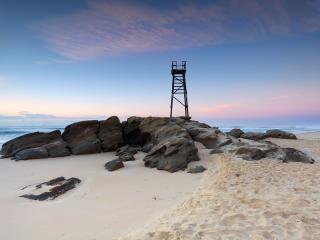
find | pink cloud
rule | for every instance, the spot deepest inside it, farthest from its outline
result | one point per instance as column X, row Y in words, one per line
column 109, row 28
column 220, row 109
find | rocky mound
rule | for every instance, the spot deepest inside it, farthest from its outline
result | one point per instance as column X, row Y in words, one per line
column 168, row 142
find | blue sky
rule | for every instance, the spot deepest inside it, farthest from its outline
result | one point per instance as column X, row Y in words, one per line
column 248, row 61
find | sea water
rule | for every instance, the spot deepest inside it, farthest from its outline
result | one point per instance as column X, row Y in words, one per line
column 10, row 132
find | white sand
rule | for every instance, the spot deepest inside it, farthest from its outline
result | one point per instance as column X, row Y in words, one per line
column 104, row 206
column 233, row 199
column 264, row 199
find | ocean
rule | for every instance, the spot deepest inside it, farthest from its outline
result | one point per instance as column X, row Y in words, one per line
column 9, row 132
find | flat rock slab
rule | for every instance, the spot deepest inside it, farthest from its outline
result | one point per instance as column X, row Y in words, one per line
column 51, row 189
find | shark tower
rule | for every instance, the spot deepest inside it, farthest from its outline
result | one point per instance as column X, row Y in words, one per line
column 179, row 87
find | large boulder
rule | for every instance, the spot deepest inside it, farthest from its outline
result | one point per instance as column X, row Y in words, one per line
column 110, row 134
column 173, row 147
column 57, row 148
column 276, row 133
column 292, row 155
column 172, row 155
column 32, row 153
column 254, row 136
column 131, row 131
column 82, row 137
column 236, row 132
column 251, row 153
column 31, row 140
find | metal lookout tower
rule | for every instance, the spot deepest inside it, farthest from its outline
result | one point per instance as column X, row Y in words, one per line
column 179, row 87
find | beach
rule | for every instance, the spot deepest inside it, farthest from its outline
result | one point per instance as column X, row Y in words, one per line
column 233, row 199
column 264, row 199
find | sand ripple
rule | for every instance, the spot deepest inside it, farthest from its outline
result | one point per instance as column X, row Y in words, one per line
column 265, row 199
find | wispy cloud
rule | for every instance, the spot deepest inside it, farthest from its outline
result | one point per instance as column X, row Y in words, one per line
column 53, row 61
column 108, row 28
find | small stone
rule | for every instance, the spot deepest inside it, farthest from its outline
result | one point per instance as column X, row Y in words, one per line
column 114, row 165
column 196, row 169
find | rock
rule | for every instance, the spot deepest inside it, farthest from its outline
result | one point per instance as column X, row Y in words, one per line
column 114, row 165
column 52, row 182
column 172, row 155
column 294, row 155
column 131, row 131
column 126, row 156
column 196, row 169
column 110, row 134
column 57, row 148
column 276, row 133
column 82, row 138
column 173, row 147
column 210, row 138
column 62, row 187
column 147, row 147
column 32, row 153
column 31, row 140
column 132, row 149
column 216, row 151
column 236, row 132
column 254, row 136
column 250, row 153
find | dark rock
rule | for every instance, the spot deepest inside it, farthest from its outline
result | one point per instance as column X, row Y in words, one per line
column 32, row 153
column 147, row 147
column 131, row 131
column 254, row 136
column 126, row 156
column 276, row 133
column 173, row 148
column 132, row 149
column 216, row 151
column 294, row 155
column 82, row 138
column 250, row 153
column 31, row 140
column 236, row 132
column 110, row 134
column 196, row 169
column 62, row 187
column 114, row 165
column 57, row 148
column 52, row 182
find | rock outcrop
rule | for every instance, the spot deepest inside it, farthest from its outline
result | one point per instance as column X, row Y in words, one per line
column 131, row 131
column 173, row 148
column 254, row 136
column 31, row 140
column 32, row 153
column 60, row 186
column 276, row 133
column 82, row 137
column 168, row 142
column 236, row 132
column 110, row 134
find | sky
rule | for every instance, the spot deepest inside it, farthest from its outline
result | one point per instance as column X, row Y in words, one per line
column 248, row 61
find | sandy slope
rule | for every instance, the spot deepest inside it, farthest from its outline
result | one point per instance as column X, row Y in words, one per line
column 264, row 199
column 104, row 206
